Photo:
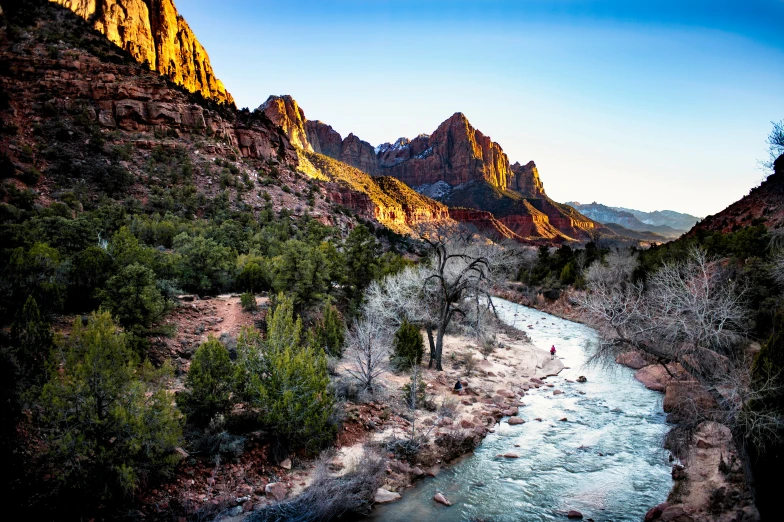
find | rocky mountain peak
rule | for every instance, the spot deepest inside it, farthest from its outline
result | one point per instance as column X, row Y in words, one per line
column 153, row 32
column 286, row 112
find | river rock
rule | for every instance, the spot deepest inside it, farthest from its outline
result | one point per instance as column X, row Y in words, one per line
column 276, row 490
column 510, row 455
column 509, row 394
column 384, row 496
column 515, row 420
column 582, row 378
column 557, row 392
column 633, row 360
column 684, row 397
column 441, row 499
column 655, row 512
column 675, row 514
column 286, row 464
column 653, row 377
column 510, row 411
column 574, row 514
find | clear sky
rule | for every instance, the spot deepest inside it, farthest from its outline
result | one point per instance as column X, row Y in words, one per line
column 662, row 104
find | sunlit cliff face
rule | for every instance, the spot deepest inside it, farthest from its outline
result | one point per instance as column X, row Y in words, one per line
column 153, row 33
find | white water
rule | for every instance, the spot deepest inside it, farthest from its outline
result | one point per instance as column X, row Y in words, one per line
column 607, row 461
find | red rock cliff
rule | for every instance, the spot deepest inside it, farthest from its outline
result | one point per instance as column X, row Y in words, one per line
column 153, row 32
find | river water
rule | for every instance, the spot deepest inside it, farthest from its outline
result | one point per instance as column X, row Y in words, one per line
column 606, row 461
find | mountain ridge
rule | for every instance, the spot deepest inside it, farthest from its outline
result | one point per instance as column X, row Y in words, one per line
column 468, row 169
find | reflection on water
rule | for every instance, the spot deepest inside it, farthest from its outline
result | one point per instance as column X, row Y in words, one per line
column 606, row 461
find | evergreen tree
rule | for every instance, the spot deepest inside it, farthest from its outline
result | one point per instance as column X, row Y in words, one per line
column 209, row 382
column 408, row 346
column 132, row 297
column 288, row 382
column 329, row 331
column 109, row 422
column 31, row 341
column 362, row 258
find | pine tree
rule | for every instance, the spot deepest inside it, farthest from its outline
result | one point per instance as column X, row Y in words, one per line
column 287, row 380
column 209, row 383
column 109, row 422
column 329, row 332
column 408, row 346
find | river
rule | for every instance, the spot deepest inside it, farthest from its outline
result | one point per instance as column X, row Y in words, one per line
column 606, row 461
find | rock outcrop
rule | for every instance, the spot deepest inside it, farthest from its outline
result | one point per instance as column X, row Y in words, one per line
column 385, row 199
column 455, row 153
column 286, row 112
column 154, row 33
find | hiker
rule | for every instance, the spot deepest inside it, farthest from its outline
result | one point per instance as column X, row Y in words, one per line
column 459, row 388
column 552, row 352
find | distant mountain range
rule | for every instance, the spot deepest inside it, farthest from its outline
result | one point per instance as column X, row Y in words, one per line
column 667, row 223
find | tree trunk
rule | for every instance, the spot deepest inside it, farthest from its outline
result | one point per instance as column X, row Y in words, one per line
column 439, row 346
column 429, row 329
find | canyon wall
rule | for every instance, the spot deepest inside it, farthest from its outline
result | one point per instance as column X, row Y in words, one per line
column 154, row 33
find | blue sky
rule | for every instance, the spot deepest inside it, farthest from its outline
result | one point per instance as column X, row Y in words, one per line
column 650, row 105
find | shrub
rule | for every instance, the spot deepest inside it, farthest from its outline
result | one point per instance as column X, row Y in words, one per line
column 248, row 302
column 329, row 332
column 288, row 382
column 331, row 497
column 133, row 297
column 407, row 347
column 209, row 383
column 109, row 422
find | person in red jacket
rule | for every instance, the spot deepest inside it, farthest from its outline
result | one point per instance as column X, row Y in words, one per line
column 552, row 352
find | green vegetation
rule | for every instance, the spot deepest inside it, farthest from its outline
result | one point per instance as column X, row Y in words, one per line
column 408, row 348
column 287, row 381
column 209, row 382
column 109, row 423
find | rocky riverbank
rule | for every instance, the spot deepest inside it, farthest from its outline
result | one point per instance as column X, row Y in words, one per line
column 708, row 479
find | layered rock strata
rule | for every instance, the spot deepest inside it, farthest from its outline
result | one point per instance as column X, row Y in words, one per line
column 154, row 33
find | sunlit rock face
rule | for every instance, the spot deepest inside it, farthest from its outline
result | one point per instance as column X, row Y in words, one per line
column 455, row 153
column 286, row 112
column 153, row 32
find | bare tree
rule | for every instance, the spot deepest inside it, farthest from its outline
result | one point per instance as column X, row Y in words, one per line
column 690, row 313
column 368, row 351
column 775, row 143
column 456, row 269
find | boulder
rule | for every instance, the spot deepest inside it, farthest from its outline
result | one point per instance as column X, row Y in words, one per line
column 513, row 421
column 633, row 360
column 441, row 499
column 509, row 455
column 574, row 514
column 276, row 490
column 675, row 514
column 557, row 392
column 686, row 398
column 582, row 378
column 384, row 496
column 653, row 377
column 655, row 512
column 286, row 464
column 509, row 394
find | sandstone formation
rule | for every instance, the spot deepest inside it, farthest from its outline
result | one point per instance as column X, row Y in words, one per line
column 456, row 165
column 154, row 34
column 385, row 199
column 286, row 112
